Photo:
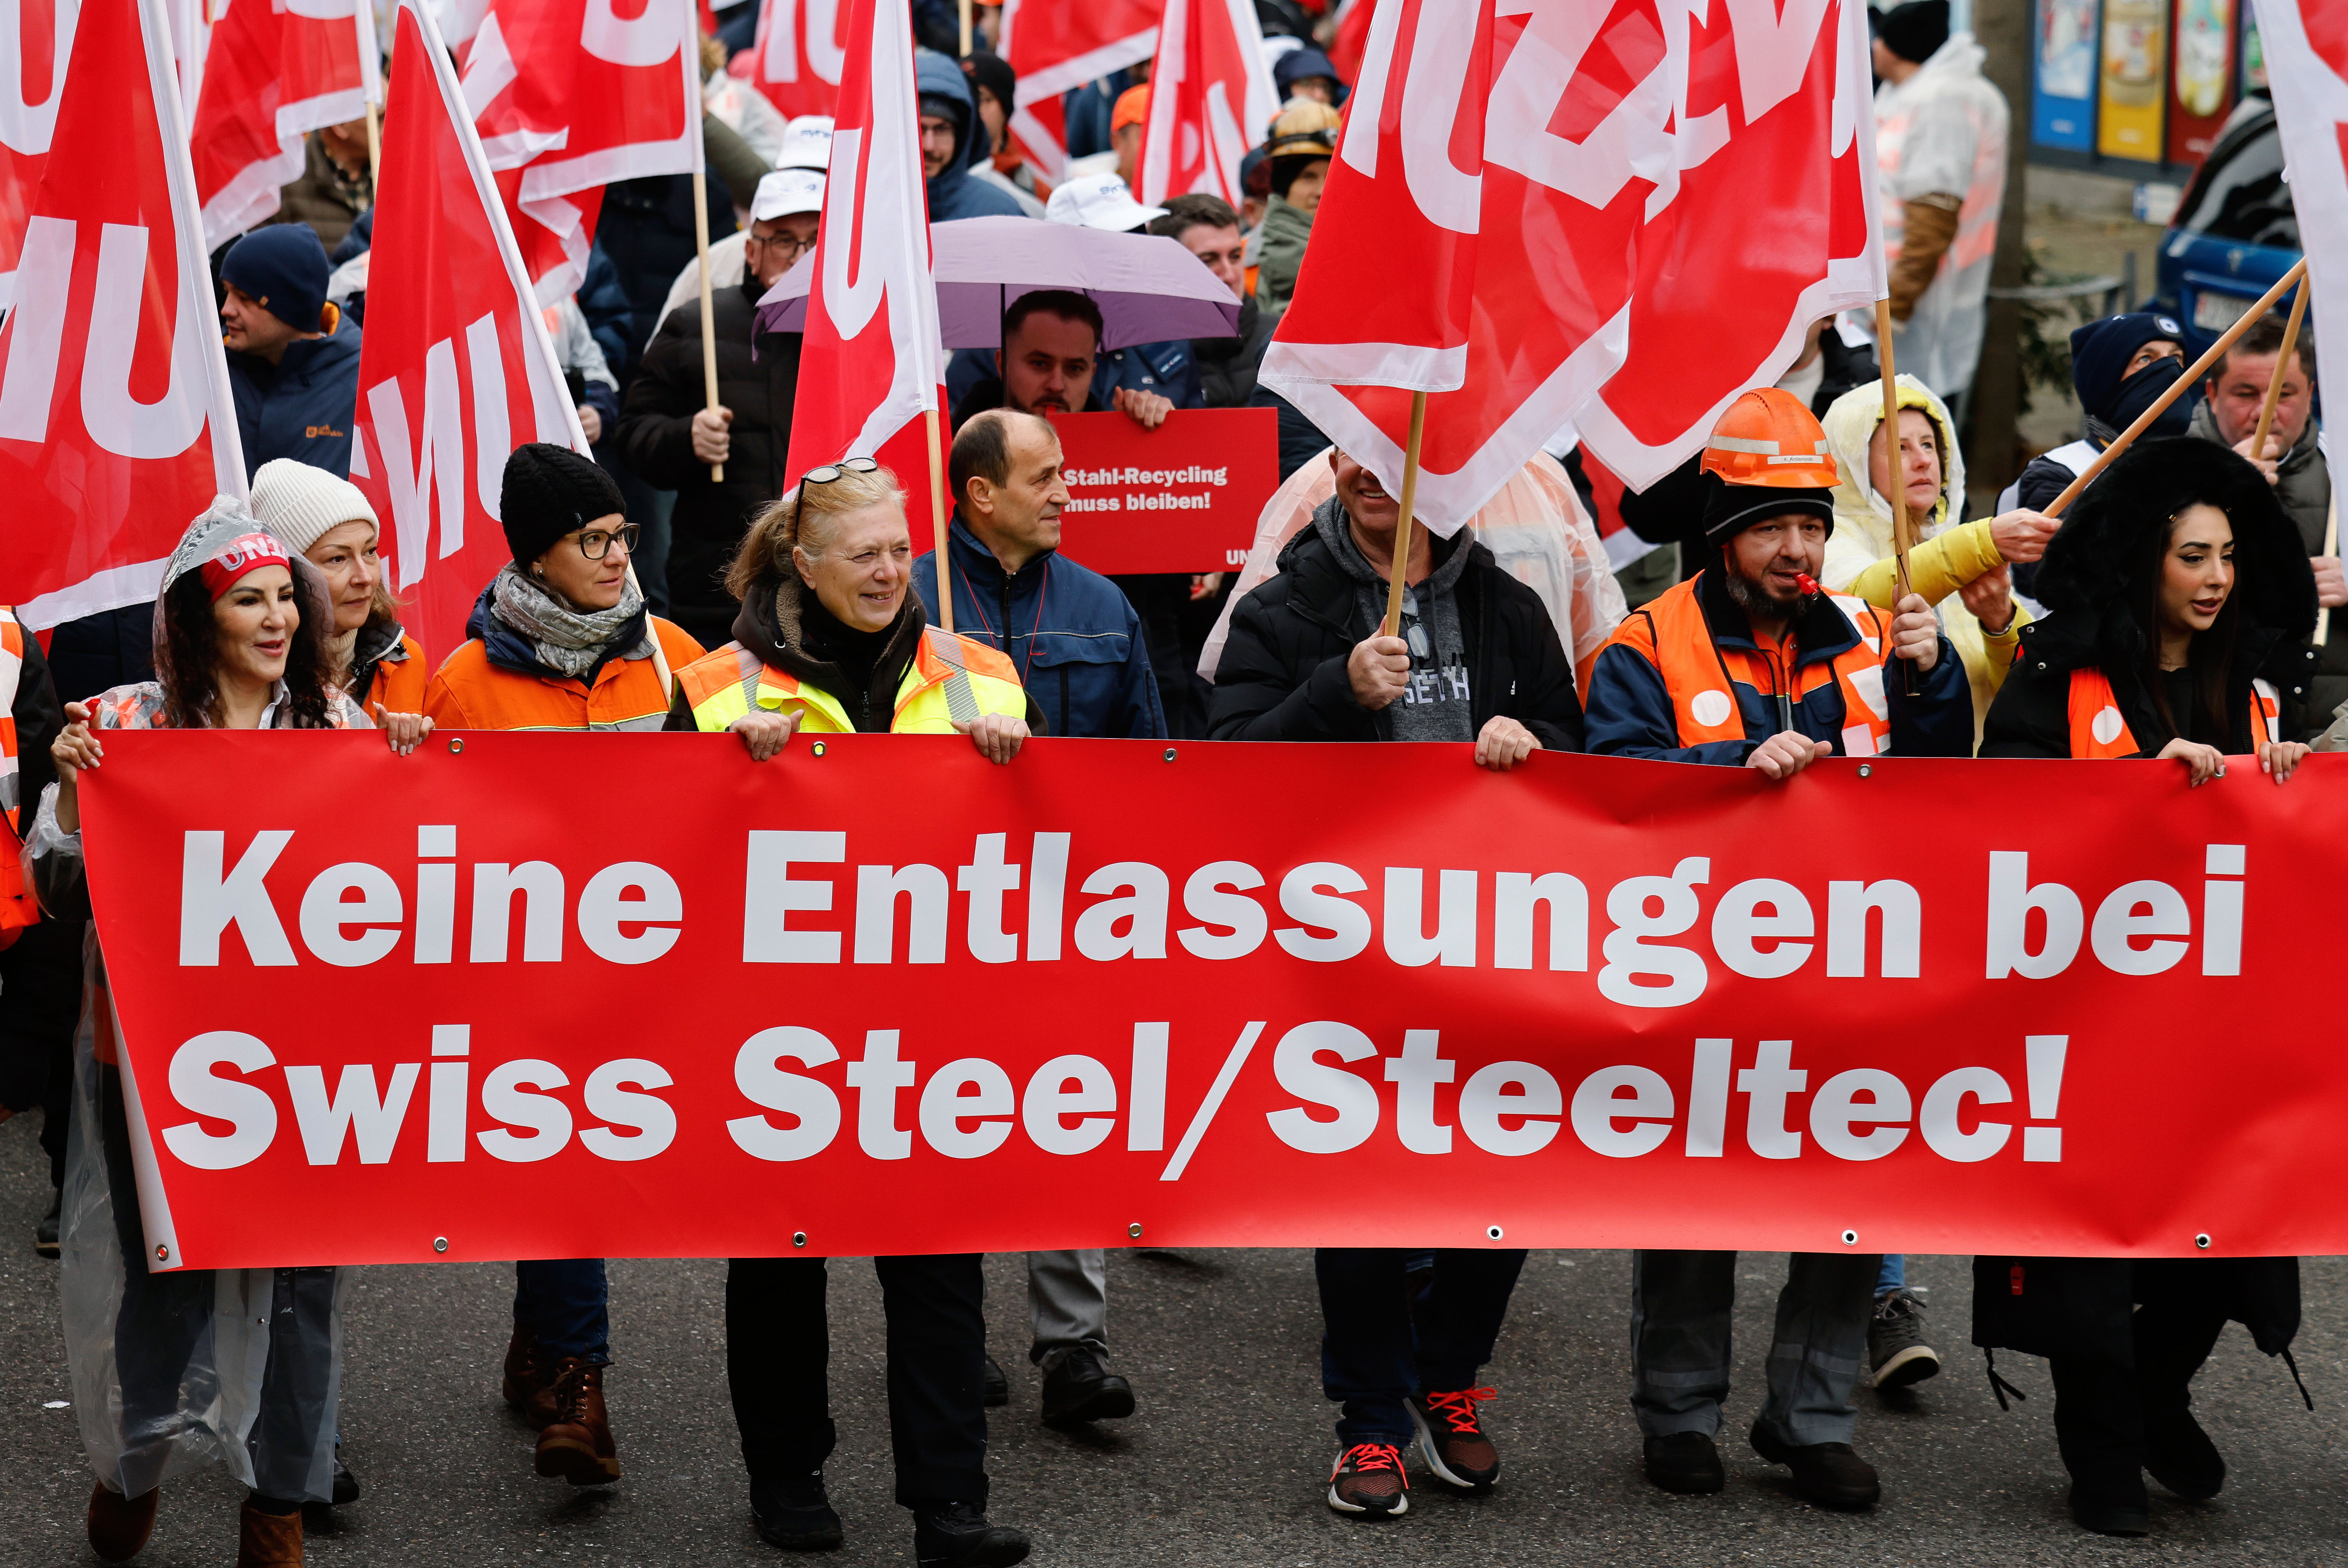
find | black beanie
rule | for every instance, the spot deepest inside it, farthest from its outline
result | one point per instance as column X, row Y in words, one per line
column 1729, row 509
column 1916, row 30
column 550, row 491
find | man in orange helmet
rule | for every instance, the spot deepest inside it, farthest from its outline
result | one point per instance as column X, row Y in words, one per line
column 1748, row 665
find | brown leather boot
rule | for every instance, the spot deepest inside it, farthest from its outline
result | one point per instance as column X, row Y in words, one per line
column 529, row 1383
column 120, row 1525
column 577, row 1446
column 268, row 1539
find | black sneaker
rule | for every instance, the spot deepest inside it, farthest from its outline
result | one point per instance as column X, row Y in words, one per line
column 792, row 1513
column 1830, row 1474
column 1369, row 1483
column 997, row 1383
column 1895, row 1341
column 2179, row 1455
column 44, row 1235
column 2117, row 1505
column 346, row 1485
column 1457, row 1447
column 1079, row 1388
column 957, row 1535
column 1687, row 1463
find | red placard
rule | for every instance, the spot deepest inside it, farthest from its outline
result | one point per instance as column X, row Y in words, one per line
column 1182, row 497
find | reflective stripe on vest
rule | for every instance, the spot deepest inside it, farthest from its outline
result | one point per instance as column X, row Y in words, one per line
column 2099, row 732
column 12, row 672
column 1701, row 676
column 950, row 682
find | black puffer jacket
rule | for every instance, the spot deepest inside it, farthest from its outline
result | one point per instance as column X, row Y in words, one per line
column 655, row 439
column 2088, row 582
column 1282, row 674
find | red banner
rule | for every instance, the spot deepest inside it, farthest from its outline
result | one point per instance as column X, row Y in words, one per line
column 1084, row 1000
column 1182, row 497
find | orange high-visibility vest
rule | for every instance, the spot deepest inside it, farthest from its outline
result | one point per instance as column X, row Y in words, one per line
column 2099, row 732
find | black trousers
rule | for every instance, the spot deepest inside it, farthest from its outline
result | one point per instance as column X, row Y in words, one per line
column 778, row 1367
column 2101, row 1404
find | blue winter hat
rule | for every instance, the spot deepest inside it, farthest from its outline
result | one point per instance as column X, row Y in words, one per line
column 2100, row 352
column 284, row 268
column 1298, row 63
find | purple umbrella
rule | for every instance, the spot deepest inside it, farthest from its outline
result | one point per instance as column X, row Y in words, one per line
column 1149, row 288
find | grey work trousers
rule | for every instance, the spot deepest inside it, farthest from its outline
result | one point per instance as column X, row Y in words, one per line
column 1068, row 1303
column 1680, row 1304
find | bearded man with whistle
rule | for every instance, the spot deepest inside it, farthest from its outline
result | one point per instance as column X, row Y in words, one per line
column 1748, row 665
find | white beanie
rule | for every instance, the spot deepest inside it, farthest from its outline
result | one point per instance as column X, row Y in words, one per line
column 301, row 505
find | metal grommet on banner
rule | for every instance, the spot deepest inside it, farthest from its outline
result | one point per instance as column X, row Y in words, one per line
column 1169, row 754
column 163, row 1252
column 1867, row 770
column 456, row 744
column 1134, row 1230
column 798, row 1239
column 1493, row 1232
column 2202, row 1242
column 817, row 749
column 440, row 1244
column 1851, row 1238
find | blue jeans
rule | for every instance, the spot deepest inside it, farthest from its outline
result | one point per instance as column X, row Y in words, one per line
column 1377, row 1349
column 568, row 1305
column 1893, row 1275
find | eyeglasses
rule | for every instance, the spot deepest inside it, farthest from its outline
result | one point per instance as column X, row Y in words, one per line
column 831, row 471
column 787, row 244
column 596, row 543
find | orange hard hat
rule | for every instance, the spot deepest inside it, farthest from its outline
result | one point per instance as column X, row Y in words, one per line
column 1768, row 436
column 1132, row 109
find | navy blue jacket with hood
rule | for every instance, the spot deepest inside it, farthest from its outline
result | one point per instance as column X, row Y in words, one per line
column 953, row 193
column 1070, row 631
column 302, row 406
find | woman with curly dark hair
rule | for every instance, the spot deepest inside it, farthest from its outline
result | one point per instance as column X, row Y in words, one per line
column 173, row 1370
column 2180, row 603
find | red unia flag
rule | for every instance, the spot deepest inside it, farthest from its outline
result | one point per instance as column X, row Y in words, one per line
column 1613, row 217
column 570, row 95
column 870, row 363
column 117, row 427
column 1055, row 45
column 274, row 70
column 456, row 370
column 2306, row 44
column 1210, row 96
column 36, row 41
column 798, row 57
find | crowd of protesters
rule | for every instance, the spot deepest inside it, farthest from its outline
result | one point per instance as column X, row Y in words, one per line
column 2167, row 614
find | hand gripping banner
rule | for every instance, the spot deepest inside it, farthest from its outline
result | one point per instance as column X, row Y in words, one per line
column 1083, row 1000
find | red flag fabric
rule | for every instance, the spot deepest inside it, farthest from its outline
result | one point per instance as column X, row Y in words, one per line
column 575, row 95
column 117, row 427
column 1576, row 198
column 1346, row 50
column 456, row 369
column 274, row 71
column 798, row 55
column 2306, row 44
column 872, row 357
column 1081, row 1000
column 1054, row 46
column 36, row 41
column 1210, row 96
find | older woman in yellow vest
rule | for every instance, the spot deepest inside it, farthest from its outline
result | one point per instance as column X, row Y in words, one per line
column 830, row 640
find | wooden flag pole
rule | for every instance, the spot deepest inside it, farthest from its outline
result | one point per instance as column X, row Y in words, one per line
column 965, row 55
column 708, row 306
column 374, row 151
column 939, row 541
column 2282, row 366
column 2199, row 368
column 2331, row 548
column 1892, row 466
column 1405, row 527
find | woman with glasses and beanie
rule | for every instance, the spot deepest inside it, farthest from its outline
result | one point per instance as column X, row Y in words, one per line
column 561, row 640
column 830, row 640
column 329, row 521
column 174, row 1369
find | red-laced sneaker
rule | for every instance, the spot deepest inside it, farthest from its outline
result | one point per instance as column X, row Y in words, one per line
column 1369, row 1484
column 1453, row 1439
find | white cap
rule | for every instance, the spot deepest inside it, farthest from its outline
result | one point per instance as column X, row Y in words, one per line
column 807, row 143
column 301, row 505
column 1099, row 202
column 786, row 191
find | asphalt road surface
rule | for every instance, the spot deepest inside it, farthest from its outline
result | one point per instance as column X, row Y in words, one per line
column 1224, row 1463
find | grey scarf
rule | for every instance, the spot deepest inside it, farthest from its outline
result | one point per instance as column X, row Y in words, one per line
column 1437, row 705
column 569, row 641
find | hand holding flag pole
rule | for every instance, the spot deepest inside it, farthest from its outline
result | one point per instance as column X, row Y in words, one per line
column 1894, row 470
column 708, row 306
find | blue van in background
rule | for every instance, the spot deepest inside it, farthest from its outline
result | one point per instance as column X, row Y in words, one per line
column 2235, row 232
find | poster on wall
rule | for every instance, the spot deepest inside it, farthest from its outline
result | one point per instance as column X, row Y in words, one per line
column 2135, row 72
column 2201, row 78
column 2063, row 94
